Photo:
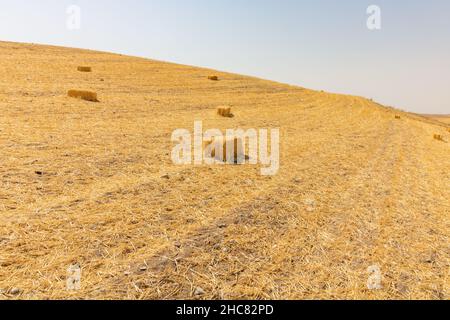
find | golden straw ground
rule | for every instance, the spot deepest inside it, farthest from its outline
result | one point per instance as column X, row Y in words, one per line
column 356, row 188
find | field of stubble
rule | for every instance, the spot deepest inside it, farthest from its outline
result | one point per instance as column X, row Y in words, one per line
column 93, row 184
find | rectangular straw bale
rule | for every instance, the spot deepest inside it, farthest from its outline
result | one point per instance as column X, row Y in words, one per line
column 84, row 69
column 225, row 112
column 84, row 95
column 233, row 146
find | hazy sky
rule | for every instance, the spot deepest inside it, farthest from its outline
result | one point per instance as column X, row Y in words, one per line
column 318, row 44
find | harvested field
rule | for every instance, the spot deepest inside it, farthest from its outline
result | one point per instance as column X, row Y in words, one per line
column 441, row 118
column 93, row 185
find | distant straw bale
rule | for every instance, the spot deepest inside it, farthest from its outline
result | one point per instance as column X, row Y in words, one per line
column 398, row 117
column 84, row 69
column 213, row 78
column 84, row 95
column 225, row 112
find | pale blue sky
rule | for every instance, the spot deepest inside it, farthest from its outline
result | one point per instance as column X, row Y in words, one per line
column 319, row 44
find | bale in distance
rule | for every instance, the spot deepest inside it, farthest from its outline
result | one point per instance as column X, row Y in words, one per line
column 213, row 78
column 84, row 95
column 397, row 117
column 438, row 137
column 84, row 69
column 225, row 112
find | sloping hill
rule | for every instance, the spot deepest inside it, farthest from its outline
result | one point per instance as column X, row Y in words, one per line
column 93, row 184
column 440, row 118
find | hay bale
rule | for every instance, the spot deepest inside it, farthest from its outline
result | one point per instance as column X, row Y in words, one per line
column 234, row 146
column 438, row 137
column 84, row 95
column 225, row 112
column 84, row 69
column 398, row 117
column 213, row 78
